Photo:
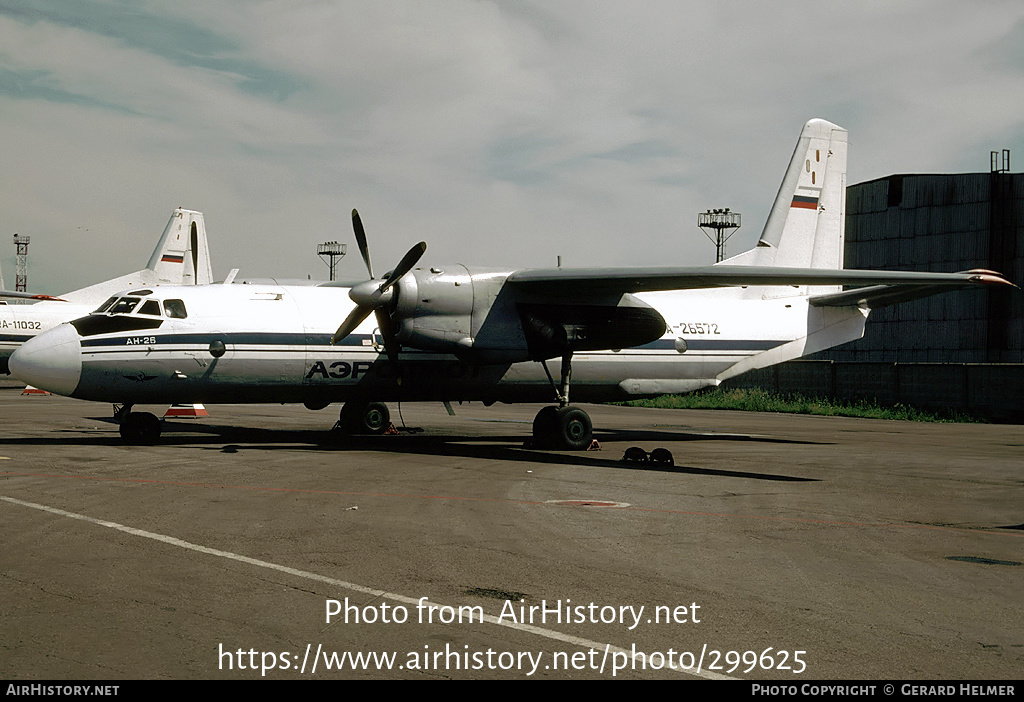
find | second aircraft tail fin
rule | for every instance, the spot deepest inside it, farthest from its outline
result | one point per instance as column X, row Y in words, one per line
column 181, row 257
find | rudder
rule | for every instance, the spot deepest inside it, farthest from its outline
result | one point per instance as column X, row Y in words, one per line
column 807, row 224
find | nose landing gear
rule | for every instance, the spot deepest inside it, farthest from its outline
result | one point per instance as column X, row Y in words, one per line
column 138, row 428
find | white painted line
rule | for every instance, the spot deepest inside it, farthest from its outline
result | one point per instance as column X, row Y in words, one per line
column 581, row 502
column 527, row 628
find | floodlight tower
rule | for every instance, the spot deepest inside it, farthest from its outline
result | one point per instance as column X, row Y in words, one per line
column 329, row 251
column 724, row 224
column 1000, row 165
column 21, row 272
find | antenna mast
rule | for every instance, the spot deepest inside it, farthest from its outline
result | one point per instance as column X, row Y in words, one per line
column 21, row 275
column 329, row 251
column 724, row 224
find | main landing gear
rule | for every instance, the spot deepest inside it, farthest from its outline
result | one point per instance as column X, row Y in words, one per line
column 137, row 428
column 364, row 417
column 562, row 427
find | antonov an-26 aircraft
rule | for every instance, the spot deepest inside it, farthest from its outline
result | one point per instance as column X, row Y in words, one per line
column 450, row 332
column 181, row 256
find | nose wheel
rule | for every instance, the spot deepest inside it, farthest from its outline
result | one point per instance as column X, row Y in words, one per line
column 140, row 429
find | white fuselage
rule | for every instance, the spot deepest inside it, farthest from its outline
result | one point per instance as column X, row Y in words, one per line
column 276, row 348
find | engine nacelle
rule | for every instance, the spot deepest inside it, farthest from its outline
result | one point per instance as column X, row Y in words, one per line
column 476, row 316
column 455, row 310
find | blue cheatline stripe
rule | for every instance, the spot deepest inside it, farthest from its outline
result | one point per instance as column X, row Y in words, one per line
column 715, row 344
column 145, row 349
column 166, row 341
column 247, row 338
column 15, row 337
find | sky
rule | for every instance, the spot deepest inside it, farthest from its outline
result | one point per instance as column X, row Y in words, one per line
column 503, row 133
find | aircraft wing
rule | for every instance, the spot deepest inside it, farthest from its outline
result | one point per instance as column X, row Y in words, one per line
column 574, row 281
column 28, row 296
column 875, row 296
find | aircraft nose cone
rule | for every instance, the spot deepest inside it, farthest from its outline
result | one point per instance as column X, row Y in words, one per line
column 50, row 361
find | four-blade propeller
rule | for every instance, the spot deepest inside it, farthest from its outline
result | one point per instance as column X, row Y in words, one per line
column 371, row 296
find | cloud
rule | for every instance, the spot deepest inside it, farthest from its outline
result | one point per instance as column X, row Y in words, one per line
column 502, row 133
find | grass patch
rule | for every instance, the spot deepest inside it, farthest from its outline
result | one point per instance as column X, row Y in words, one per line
column 756, row 400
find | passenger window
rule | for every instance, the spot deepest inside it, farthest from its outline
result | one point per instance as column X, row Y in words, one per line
column 124, row 305
column 150, row 307
column 175, row 309
column 106, row 305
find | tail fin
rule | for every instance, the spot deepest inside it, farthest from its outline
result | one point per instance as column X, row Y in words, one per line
column 806, row 227
column 181, row 257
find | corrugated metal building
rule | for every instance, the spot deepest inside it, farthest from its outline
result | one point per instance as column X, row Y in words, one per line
column 959, row 350
column 940, row 223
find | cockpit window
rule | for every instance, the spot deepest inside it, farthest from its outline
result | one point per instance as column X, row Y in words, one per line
column 124, row 305
column 150, row 307
column 175, row 309
column 106, row 305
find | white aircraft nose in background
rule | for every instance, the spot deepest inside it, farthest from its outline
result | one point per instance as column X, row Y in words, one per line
column 181, row 257
column 50, row 361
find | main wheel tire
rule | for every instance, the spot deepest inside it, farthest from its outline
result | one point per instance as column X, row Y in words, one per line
column 376, row 418
column 365, row 417
column 574, row 429
column 545, row 426
column 140, row 429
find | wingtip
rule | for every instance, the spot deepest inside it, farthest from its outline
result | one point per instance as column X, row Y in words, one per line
column 984, row 276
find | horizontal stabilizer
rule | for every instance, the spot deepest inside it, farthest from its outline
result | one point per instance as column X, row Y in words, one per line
column 875, row 296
